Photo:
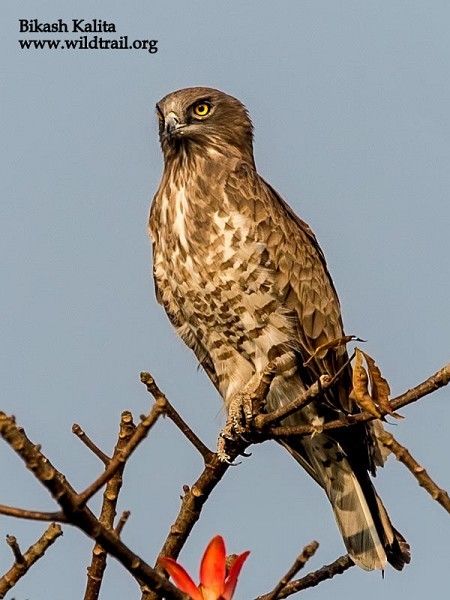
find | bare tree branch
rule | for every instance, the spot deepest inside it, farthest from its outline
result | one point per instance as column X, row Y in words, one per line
column 258, row 396
column 433, row 383
column 121, row 522
column 32, row 515
column 153, row 583
column 97, row 567
column 23, row 562
column 301, row 560
column 173, row 415
column 191, row 506
column 76, row 429
column 338, row 567
column 140, row 433
column 402, row 454
column 13, row 544
column 312, row 393
column 80, row 515
column 196, row 496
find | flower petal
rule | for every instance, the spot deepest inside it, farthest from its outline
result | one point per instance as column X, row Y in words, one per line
column 180, row 577
column 212, row 568
column 231, row 581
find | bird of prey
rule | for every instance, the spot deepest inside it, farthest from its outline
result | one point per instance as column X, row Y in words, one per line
column 244, row 282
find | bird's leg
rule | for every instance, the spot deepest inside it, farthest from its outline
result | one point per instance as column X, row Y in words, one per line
column 243, row 406
column 240, row 415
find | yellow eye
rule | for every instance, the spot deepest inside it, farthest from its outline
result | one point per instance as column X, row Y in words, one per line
column 201, row 109
column 160, row 117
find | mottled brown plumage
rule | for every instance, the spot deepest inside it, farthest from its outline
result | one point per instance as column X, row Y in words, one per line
column 244, row 282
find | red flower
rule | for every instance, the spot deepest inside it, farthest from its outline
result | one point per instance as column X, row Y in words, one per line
column 215, row 583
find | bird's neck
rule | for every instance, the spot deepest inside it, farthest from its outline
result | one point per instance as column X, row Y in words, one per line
column 194, row 159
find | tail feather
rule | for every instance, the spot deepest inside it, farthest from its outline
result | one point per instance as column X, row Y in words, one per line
column 369, row 537
column 341, row 466
column 396, row 547
column 356, row 523
column 350, row 507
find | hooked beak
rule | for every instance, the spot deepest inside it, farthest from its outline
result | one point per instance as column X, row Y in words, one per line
column 172, row 124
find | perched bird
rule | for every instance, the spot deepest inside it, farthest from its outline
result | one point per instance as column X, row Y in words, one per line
column 245, row 283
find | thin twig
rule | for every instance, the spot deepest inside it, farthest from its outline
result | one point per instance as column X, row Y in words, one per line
column 33, row 515
column 301, row 560
column 121, row 522
column 424, row 480
column 78, row 431
column 312, row 393
column 140, row 433
column 338, row 567
column 34, row 553
column 173, row 415
column 82, row 517
column 259, row 394
column 13, row 544
column 433, row 383
column 191, row 506
column 96, row 569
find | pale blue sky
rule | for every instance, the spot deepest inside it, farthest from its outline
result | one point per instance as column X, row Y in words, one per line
column 350, row 102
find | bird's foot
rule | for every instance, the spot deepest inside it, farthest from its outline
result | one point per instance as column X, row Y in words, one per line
column 240, row 415
column 241, row 411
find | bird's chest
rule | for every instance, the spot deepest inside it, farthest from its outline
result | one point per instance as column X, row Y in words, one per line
column 197, row 251
column 209, row 267
column 177, row 262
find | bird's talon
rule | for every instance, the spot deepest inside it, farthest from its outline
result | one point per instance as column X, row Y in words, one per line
column 317, row 429
column 225, row 459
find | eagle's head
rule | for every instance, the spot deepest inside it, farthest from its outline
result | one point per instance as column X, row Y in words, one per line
column 201, row 120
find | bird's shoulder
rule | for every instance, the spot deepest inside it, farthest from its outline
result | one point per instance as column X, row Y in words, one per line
column 292, row 246
column 246, row 187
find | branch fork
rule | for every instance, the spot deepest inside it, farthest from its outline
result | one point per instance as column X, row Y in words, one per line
column 258, row 427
